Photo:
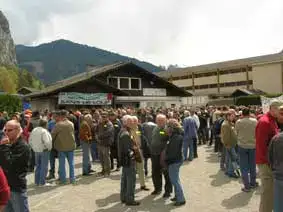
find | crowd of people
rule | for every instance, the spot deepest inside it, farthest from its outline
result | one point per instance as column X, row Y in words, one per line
column 127, row 138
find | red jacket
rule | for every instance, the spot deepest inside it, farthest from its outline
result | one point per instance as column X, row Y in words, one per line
column 265, row 130
column 4, row 189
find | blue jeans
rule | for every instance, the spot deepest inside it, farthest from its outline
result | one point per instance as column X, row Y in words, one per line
column 223, row 159
column 18, row 202
column 41, row 167
column 94, row 151
column 128, row 184
column 62, row 169
column 188, row 145
column 247, row 166
column 232, row 160
column 174, row 170
column 86, row 160
column 278, row 194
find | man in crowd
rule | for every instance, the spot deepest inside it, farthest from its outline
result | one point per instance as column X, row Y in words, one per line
column 53, row 153
column 126, row 154
column 114, row 147
column 63, row 137
column 138, row 136
column 229, row 140
column 147, row 127
column 266, row 128
column 14, row 159
column 105, row 139
column 190, row 136
column 245, row 130
column 276, row 164
column 159, row 141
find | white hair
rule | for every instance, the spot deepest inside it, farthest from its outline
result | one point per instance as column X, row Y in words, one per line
column 135, row 118
column 187, row 113
column 125, row 119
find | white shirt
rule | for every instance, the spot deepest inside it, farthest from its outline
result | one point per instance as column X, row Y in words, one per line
column 196, row 118
column 40, row 139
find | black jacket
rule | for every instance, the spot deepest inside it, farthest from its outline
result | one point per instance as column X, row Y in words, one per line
column 14, row 160
column 125, row 149
column 174, row 148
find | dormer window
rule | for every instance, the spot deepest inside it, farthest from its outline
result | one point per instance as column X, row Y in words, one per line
column 125, row 83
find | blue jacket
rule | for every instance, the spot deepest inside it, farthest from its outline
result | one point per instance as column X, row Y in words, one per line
column 190, row 128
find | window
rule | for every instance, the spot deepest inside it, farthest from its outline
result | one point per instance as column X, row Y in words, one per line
column 135, row 84
column 124, row 83
column 113, row 82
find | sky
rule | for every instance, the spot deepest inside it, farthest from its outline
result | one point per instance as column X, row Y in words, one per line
column 163, row 32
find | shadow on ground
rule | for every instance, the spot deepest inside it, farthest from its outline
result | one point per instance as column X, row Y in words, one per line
column 219, row 179
column 239, row 200
column 147, row 204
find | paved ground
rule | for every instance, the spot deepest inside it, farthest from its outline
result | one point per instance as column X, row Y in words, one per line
column 206, row 189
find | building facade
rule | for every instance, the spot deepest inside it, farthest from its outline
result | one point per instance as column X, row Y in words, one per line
column 116, row 85
column 222, row 79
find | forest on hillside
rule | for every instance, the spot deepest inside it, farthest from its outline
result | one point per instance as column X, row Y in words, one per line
column 13, row 78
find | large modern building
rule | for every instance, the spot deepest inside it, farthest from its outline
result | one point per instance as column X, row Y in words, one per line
column 223, row 78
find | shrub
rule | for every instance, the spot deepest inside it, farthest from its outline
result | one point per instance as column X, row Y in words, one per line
column 10, row 103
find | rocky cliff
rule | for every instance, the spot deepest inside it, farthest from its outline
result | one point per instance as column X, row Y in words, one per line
column 7, row 47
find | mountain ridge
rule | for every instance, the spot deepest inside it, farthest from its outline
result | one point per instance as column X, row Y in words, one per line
column 62, row 58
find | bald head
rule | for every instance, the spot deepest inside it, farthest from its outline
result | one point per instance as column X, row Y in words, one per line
column 13, row 130
column 161, row 120
column 13, row 123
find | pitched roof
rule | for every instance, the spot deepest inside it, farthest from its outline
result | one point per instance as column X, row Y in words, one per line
column 91, row 73
column 28, row 88
column 223, row 65
column 248, row 91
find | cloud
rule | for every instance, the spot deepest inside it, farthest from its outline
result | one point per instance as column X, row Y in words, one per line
column 184, row 32
column 26, row 17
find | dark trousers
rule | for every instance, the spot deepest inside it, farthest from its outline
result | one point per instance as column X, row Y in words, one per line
column 212, row 135
column 52, row 157
column 112, row 156
column 217, row 145
column 128, row 184
column 31, row 163
column 157, row 171
column 195, row 146
column 202, row 135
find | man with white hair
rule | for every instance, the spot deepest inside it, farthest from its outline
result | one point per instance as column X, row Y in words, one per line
column 14, row 159
column 138, row 136
column 158, row 144
column 190, row 137
column 127, row 157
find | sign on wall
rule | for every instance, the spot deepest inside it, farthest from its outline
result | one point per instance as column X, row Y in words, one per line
column 74, row 98
column 154, row 92
column 265, row 102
